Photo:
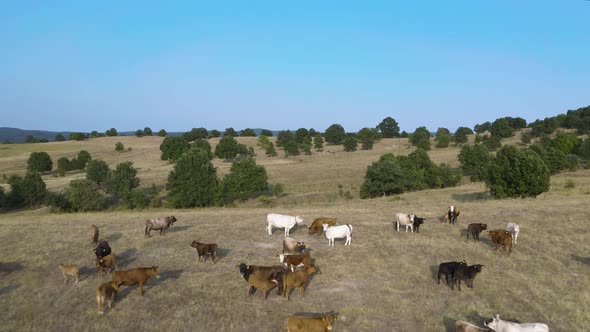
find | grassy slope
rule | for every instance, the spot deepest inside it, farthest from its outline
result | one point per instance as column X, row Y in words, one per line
column 383, row 282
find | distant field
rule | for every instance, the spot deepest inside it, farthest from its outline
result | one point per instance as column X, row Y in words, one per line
column 383, row 282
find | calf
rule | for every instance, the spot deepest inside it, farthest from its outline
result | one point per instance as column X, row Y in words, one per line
column 106, row 294
column 338, row 232
column 104, row 263
column 499, row 325
column 264, row 285
column 310, row 324
column 449, row 269
column 318, row 225
column 204, row 249
column 452, row 214
column 138, row 275
column 93, row 234
column 292, row 261
column 102, row 249
column 514, row 229
column 467, row 274
column 417, row 222
column 292, row 246
column 282, row 221
column 70, row 270
column 298, row 279
column 461, row 326
column 502, row 238
column 405, row 220
column 161, row 224
column 264, row 272
column 475, row 229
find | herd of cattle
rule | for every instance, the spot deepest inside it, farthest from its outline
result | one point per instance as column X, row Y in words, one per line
column 297, row 266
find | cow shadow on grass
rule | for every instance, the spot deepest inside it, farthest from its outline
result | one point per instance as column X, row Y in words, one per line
column 113, row 237
column 316, row 314
column 127, row 257
column 8, row 289
column 449, row 324
column 6, row 268
column 175, row 229
column 220, row 253
column 583, row 260
column 87, row 272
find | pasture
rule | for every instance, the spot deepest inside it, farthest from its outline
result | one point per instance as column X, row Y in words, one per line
column 384, row 281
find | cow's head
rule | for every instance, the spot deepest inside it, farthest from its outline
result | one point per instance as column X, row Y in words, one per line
column 328, row 321
column 325, row 226
column 298, row 219
column 494, row 324
column 418, row 221
column 478, row 267
column 153, row 272
column 194, row 244
column 171, row 220
column 484, row 226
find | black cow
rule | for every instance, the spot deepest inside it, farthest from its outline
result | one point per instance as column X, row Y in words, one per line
column 275, row 272
column 467, row 274
column 475, row 230
column 102, row 249
column 417, row 222
column 449, row 269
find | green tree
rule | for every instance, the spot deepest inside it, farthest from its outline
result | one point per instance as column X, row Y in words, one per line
column 230, row 132
column 266, row 133
column 39, row 162
column 162, row 133
column 443, row 138
column 83, row 195
column 59, row 138
column 318, row 142
column 29, row 190
column 195, row 134
column 228, row 148
column 474, row 160
column 389, row 127
column 246, row 179
column 553, row 158
column 335, row 134
column 122, row 180
column 147, row 131
column 58, row 202
column 193, row 182
column 517, row 173
column 283, row 137
column 119, row 147
column 94, row 134
column 350, row 143
column 248, row 133
column 291, row 148
column 501, row 128
column 461, row 135
column 525, row 138
column 111, row 132
column 566, row 143
column 82, row 159
column 173, row 147
column 263, row 141
column 77, row 136
column 482, row 128
column 368, row 137
column 63, row 166
column 139, row 133
column 214, row 133
column 421, row 138
column 301, row 134
column 270, row 150
column 203, row 144
column 97, row 171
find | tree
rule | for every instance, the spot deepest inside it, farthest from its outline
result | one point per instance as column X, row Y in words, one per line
column 566, row 143
column 525, row 138
column 119, row 147
column 246, row 179
column 122, row 180
column 368, row 136
column 195, row 134
column 335, row 134
column 318, row 143
column 443, row 138
column 77, row 136
column 270, row 150
column 139, row 133
column 248, row 133
column 301, row 134
column 313, row 132
column 501, row 128
column 39, row 162
column 147, row 131
column 94, row 134
column 266, row 133
column 203, row 144
column 389, row 127
column 553, row 158
column 474, row 160
column 97, row 171
column 59, row 138
column 83, row 195
column 230, row 132
column 228, row 148
column 193, row 181
column 162, row 133
column 291, row 148
column 63, row 166
column 517, row 173
column 421, row 138
column 283, row 137
column 461, row 135
column 350, row 143
column 482, row 128
column 33, row 189
column 263, row 141
column 214, row 133
column 173, row 147
column 111, row 132
column 82, row 159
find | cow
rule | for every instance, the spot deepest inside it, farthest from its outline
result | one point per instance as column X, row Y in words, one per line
column 298, row 279
column 461, row 326
column 93, row 232
column 449, row 269
column 503, row 238
column 408, row 220
column 204, row 249
column 106, row 294
column 499, row 325
column 452, row 214
column 264, row 285
column 158, row 224
column 467, row 274
column 417, row 222
column 104, row 263
column 70, row 270
column 514, row 229
column 102, row 249
column 318, row 225
column 292, row 261
column 338, row 232
column 475, row 229
column 138, row 275
column 292, row 246
column 310, row 324
column 266, row 272
column 282, row 221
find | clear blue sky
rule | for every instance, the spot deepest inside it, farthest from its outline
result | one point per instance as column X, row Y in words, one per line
column 93, row 65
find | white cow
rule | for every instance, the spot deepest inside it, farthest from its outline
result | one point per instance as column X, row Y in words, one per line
column 514, row 229
column 499, row 325
column 405, row 220
column 282, row 221
column 338, row 232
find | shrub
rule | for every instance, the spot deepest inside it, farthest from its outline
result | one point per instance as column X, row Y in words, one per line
column 368, row 137
column 266, row 133
column 63, row 166
column 461, row 135
column 97, row 171
column 138, row 199
column 122, row 180
column 173, row 147
column 318, row 143
column 443, row 138
column 492, row 143
column 278, row 189
column 119, row 147
column 335, row 134
column 57, row 202
column 230, row 132
column 263, row 141
column 77, row 136
column 228, row 148
column 147, row 131
column 2, row 198
column 193, row 181
column 389, row 127
column 83, row 195
column 111, row 132
column 553, row 158
column 245, row 179
column 82, row 159
column 291, row 148
column 421, row 138
column 203, row 144
column 474, row 160
column 195, row 134
column 59, row 138
column 517, row 173
column 39, row 162
column 248, row 132
column 482, row 128
column 566, row 143
column 162, row 133
column 350, row 143
column 271, row 151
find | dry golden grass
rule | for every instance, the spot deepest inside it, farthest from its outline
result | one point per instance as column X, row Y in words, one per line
column 383, row 282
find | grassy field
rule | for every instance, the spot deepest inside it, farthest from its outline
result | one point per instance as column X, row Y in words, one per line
column 383, row 282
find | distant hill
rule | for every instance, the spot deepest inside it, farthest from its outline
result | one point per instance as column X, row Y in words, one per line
column 15, row 135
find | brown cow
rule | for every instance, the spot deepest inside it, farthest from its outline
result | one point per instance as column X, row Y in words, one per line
column 105, row 263
column 292, row 261
column 452, row 214
column 138, row 275
column 70, row 270
column 310, row 324
column 265, row 272
column 318, row 225
column 298, row 279
column 263, row 284
column 106, row 293
column 501, row 237
column 204, row 249
column 93, row 234
column 475, row 229
column 461, row 326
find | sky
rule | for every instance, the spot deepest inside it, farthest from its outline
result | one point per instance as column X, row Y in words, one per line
column 177, row 65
